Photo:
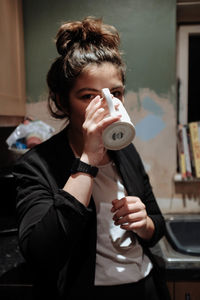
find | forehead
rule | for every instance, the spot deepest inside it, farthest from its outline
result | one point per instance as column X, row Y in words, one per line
column 100, row 76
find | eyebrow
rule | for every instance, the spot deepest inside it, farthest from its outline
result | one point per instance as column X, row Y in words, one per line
column 98, row 91
column 118, row 87
column 87, row 89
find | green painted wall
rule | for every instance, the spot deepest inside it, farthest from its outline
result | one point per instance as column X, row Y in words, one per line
column 147, row 29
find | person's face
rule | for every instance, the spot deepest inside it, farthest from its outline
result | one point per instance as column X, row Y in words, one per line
column 88, row 85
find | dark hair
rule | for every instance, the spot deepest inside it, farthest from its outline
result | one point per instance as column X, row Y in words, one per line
column 79, row 44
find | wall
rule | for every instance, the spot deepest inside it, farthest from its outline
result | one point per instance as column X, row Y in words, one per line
column 147, row 30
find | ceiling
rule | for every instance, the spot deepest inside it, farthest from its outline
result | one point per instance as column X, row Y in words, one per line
column 187, row 1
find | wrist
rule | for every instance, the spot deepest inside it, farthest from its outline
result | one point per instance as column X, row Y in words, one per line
column 89, row 158
column 79, row 166
column 147, row 232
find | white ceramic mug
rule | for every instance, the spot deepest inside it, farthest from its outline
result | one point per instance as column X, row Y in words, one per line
column 120, row 133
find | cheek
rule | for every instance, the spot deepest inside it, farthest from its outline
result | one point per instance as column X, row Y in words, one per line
column 77, row 112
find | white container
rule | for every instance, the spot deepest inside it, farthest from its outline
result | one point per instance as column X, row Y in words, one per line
column 121, row 133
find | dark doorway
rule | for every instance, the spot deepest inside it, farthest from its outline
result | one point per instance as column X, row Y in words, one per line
column 194, row 78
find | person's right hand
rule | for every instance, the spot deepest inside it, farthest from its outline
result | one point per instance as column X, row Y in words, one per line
column 97, row 118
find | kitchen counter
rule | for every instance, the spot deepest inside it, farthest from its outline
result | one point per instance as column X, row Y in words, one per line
column 172, row 262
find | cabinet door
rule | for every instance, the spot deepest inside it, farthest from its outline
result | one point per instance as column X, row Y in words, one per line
column 171, row 286
column 12, row 73
column 184, row 288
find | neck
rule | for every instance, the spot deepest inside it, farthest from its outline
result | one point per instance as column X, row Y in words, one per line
column 76, row 141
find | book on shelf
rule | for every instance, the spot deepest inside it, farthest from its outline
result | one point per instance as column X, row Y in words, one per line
column 194, row 129
column 187, row 151
column 181, row 153
column 191, row 152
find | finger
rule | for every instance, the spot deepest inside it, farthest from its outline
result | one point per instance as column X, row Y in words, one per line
column 95, row 109
column 124, row 210
column 95, row 104
column 130, row 218
column 127, row 202
column 108, row 121
column 98, row 121
column 99, row 115
column 124, row 220
column 94, row 101
column 117, row 204
column 96, row 116
column 135, row 226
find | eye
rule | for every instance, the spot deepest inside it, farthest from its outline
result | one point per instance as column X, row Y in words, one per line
column 88, row 97
column 118, row 94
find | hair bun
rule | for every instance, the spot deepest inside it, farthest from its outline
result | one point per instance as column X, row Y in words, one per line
column 89, row 31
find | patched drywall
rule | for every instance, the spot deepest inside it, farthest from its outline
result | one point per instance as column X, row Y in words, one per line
column 154, row 119
column 39, row 111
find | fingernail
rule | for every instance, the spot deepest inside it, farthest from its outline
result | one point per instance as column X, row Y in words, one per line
column 97, row 98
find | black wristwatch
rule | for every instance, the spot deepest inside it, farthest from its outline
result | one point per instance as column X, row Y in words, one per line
column 80, row 166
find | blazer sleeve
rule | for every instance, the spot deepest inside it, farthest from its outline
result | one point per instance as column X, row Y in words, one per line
column 51, row 221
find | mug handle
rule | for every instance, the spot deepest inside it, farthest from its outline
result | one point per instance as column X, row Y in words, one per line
column 107, row 95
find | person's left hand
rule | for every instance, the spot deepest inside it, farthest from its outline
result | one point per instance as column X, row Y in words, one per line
column 130, row 213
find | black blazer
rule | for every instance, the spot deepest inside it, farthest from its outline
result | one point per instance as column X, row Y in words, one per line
column 57, row 234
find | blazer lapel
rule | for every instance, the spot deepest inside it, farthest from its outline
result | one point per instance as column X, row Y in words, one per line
column 129, row 173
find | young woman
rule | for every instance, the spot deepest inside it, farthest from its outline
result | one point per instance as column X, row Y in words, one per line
column 87, row 215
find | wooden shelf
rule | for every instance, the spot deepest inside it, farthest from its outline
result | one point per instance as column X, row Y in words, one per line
column 189, row 186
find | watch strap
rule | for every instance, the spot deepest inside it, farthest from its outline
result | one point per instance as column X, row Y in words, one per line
column 80, row 166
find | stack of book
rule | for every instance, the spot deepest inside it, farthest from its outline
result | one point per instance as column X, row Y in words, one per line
column 188, row 143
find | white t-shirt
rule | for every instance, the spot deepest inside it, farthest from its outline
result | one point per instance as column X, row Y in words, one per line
column 120, row 258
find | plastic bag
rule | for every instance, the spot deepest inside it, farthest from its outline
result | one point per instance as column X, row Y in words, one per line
column 19, row 137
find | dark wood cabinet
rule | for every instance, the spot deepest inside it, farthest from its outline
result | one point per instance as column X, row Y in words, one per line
column 12, row 70
column 184, row 290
